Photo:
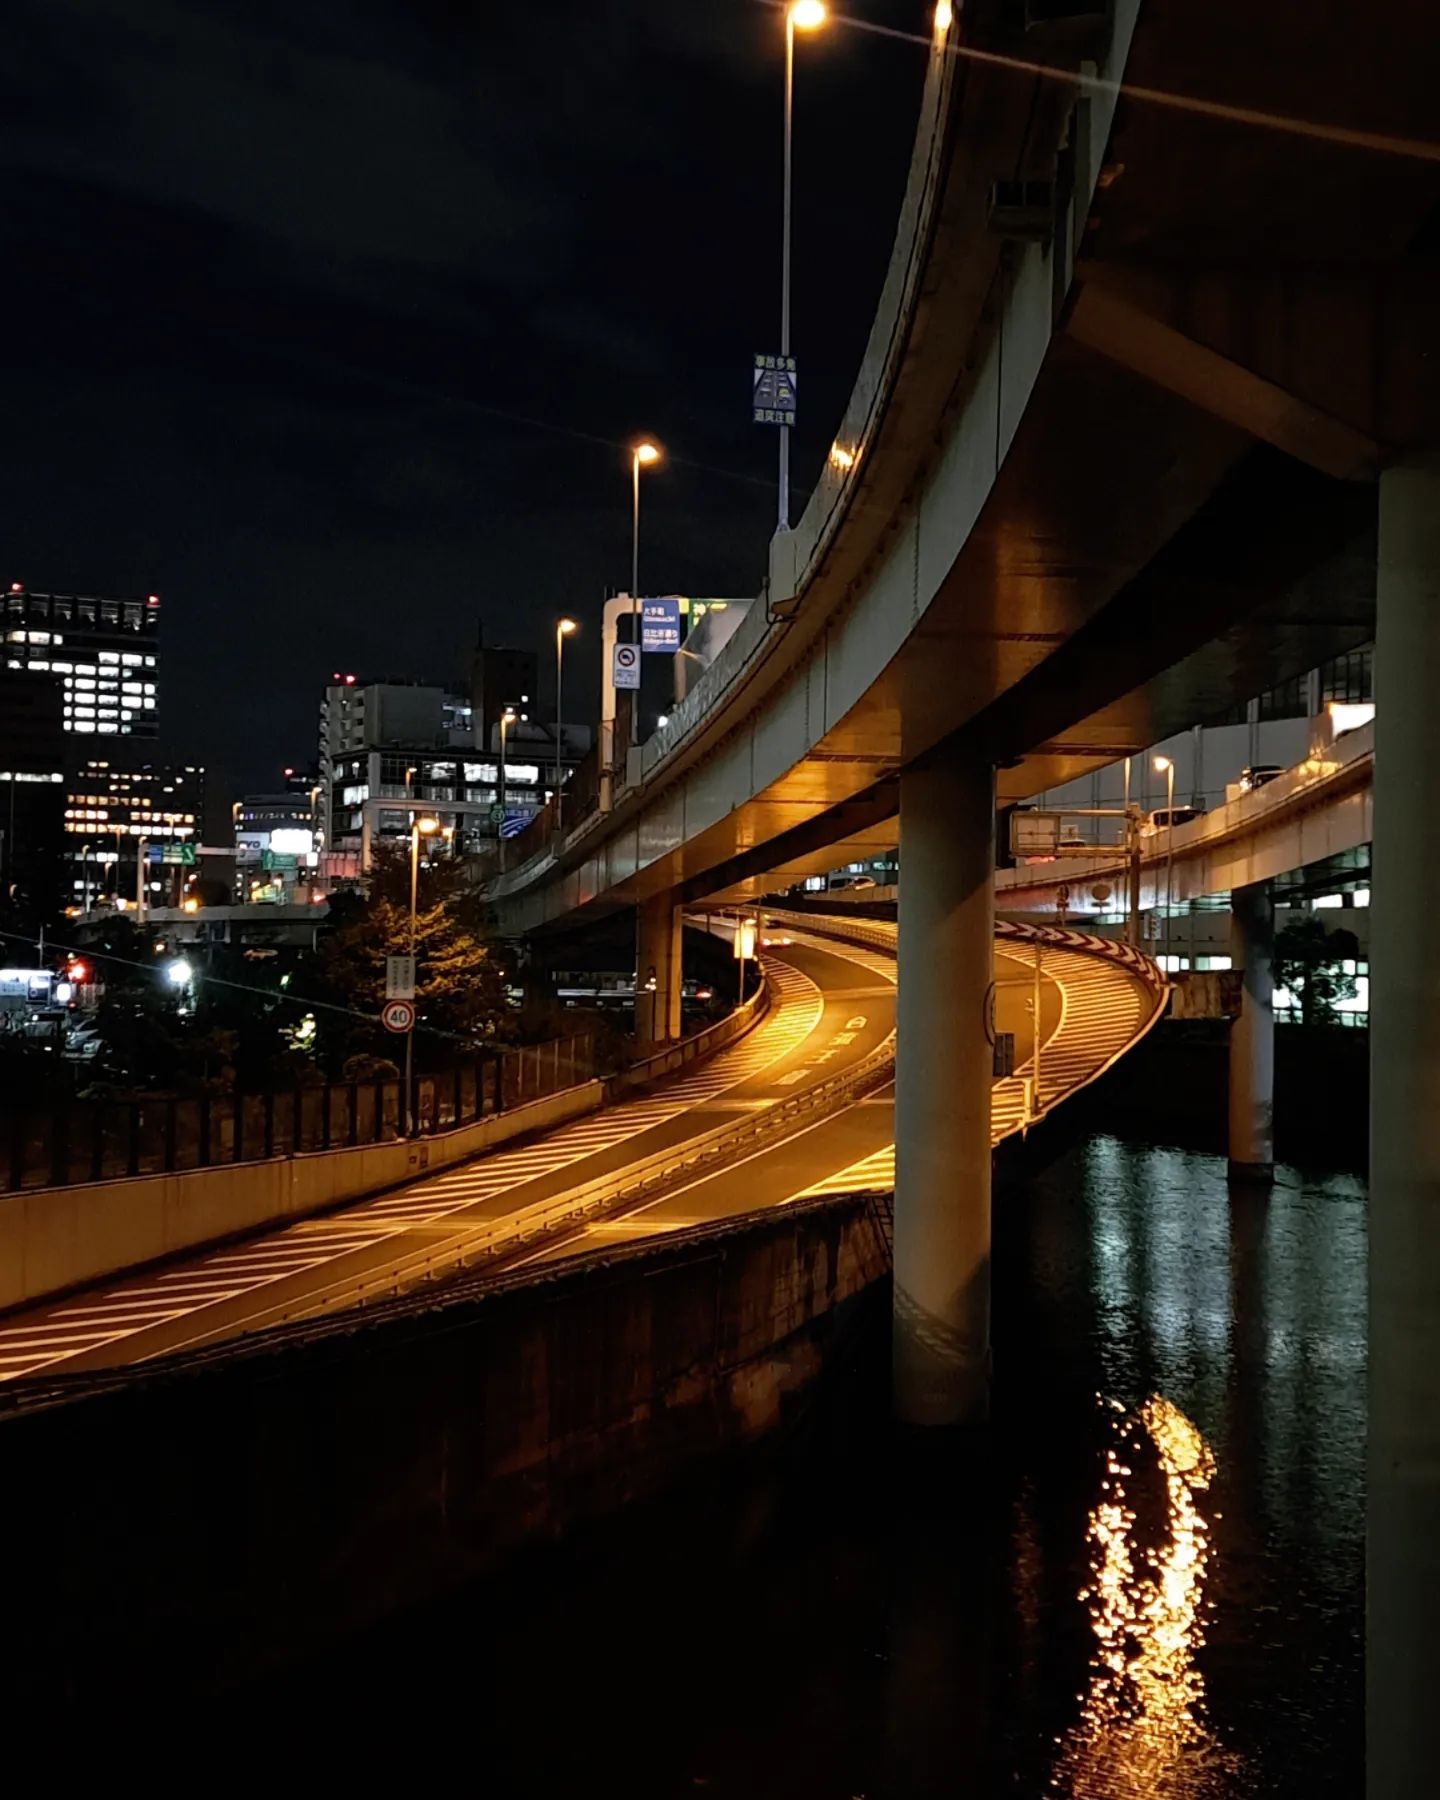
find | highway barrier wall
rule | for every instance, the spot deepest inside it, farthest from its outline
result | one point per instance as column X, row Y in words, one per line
column 194, row 1524
column 55, row 1239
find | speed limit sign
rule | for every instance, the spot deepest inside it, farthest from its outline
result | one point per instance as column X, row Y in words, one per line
column 398, row 1015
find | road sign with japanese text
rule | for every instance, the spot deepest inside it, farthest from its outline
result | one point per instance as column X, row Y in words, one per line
column 625, row 665
column 774, row 390
column 660, row 624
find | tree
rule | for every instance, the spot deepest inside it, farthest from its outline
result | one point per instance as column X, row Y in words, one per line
column 460, row 979
column 1308, row 963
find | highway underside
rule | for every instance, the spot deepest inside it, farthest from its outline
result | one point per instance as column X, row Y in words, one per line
column 833, row 1011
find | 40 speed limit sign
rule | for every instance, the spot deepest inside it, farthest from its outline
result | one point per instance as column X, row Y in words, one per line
column 398, row 1015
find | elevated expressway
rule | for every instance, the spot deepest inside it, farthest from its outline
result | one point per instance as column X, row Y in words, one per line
column 1157, row 323
column 1148, row 423
column 801, row 1105
column 1321, row 811
column 1099, row 476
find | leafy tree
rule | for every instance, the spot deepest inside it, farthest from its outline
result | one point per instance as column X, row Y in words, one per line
column 1308, row 963
column 460, row 979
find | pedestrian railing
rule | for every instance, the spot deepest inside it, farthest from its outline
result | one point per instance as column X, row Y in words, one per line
column 109, row 1139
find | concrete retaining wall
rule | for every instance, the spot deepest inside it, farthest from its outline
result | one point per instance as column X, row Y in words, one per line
column 52, row 1239
column 57, row 1238
column 205, row 1521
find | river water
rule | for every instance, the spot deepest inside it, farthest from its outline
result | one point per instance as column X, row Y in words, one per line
column 1147, row 1583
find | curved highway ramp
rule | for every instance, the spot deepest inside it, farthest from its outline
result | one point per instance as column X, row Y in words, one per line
column 802, row 1105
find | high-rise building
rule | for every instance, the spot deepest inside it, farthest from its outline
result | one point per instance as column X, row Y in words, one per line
column 275, row 842
column 111, row 809
column 501, row 679
column 32, row 787
column 389, row 749
column 106, row 653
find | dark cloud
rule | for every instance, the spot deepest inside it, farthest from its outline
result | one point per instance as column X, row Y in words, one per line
column 325, row 321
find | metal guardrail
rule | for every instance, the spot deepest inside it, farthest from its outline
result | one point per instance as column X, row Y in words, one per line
column 85, row 1141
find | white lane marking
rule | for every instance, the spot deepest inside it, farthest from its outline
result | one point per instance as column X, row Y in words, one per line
column 800, row 1010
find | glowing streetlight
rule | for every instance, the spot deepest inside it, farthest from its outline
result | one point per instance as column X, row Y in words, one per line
column 507, row 719
column 418, row 828
column 563, row 629
column 803, row 15
column 644, row 455
column 1163, row 765
column 179, row 973
column 944, row 17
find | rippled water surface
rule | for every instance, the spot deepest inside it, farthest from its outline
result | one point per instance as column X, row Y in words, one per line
column 1148, row 1585
column 1218, row 1336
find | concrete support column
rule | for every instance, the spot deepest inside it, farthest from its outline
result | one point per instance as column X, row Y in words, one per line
column 658, row 924
column 1252, row 1036
column 1403, row 1526
column 944, row 1068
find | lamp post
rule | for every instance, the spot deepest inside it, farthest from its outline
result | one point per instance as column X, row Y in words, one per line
column 1165, row 766
column 507, row 719
column 643, row 456
column 803, row 15
column 563, row 629
column 418, row 828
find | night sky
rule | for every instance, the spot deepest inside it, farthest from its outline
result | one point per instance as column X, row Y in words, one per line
column 330, row 323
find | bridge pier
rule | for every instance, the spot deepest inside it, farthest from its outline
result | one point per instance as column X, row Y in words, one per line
column 658, row 927
column 1252, row 1036
column 944, row 1069
column 1403, row 1524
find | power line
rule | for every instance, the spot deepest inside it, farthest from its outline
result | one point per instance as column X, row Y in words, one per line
column 1377, row 142
column 86, row 952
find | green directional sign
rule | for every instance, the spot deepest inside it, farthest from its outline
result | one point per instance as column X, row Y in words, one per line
column 279, row 859
column 181, row 854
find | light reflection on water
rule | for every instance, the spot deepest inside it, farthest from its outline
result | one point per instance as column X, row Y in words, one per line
column 1139, row 1270
column 1142, row 1729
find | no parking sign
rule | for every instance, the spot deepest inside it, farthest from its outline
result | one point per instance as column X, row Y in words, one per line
column 625, row 665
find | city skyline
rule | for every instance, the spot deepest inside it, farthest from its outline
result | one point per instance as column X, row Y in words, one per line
column 286, row 405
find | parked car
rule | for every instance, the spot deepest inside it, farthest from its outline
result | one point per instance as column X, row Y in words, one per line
column 83, row 1040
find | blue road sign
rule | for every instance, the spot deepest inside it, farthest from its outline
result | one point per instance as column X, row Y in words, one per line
column 514, row 823
column 660, row 624
column 774, row 391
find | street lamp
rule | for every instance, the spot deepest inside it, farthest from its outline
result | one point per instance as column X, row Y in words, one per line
column 1165, row 766
column 563, row 630
column 643, row 456
column 507, row 719
column 419, row 828
column 803, row 15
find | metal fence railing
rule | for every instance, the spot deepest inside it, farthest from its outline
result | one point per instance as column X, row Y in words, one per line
column 108, row 1139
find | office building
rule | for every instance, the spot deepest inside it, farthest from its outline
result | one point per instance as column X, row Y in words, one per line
column 32, row 787
column 391, row 749
column 276, row 842
column 111, row 810
column 105, row 652
column 501, row 680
